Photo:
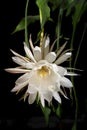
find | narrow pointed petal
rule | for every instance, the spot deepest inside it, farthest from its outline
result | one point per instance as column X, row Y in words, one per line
column 16, row 70
column 18, row 55
column 19, row 61
column 25, row 77
column 19, row 86
column 71, row 74
column 46, row 47
column 51, row 56
column 65, row 82
column 31, row 43
column 29, row 53
column 57, row 97
column 63, row 94
column 48, row 96
column 61, row 49
column 63, row 58
column 37, row 53
column 42, row 100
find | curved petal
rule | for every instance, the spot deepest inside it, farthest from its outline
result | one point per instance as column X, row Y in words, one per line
column 48, row 96
column 37, row 53
column 57, row 97
column 63, row 58
column 62, row 71
column 18, row 55
column 19, row 61
column 29, row 53
column 65, row 82
column 50, row 57
column 23, row 78
column 19, row 86
column 31, row 89
column 32, row 98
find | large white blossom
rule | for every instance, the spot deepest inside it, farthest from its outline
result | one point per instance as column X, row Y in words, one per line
column 41, row 72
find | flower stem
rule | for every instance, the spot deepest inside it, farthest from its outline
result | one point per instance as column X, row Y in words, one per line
column 26, row 31
column 72, row 78
column 77, row 54
column 58, row 27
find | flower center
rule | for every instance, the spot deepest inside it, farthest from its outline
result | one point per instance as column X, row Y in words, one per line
column 44, row 71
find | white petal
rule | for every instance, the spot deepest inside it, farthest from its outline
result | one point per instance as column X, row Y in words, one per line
column 23, row 78
column 50, row 57
column 32, row 98
column 71, row 74
column 57, row 97
column 32, row 89
column 29, row 65
column 20, row 56
column 19, row 61
column 37, row 53
column 65, row 82
column 63, row 58
column 48, row 96
column 29, row 53
column 42, row 100
column 63, row 94
column 16, row 70
column 46, row 47
column 62, row 71
column 61, row 49
column 19, row 86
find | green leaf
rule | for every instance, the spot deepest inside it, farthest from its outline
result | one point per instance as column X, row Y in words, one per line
column 46, row 111
column 44, row 11
column 21, row 25
column 55, row 3
column 80, row 8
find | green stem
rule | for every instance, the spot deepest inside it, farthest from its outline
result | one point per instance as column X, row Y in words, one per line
column 26, row 31
column 72, row 41
column 77, row 54
column 58, row 29
column 72, row 78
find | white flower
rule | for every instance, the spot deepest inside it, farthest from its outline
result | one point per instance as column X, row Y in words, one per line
column 42, row 73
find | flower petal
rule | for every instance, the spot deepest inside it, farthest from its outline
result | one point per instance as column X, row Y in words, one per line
column 42, row 100
column 32, row 98
column 57, row 97
column 61, row 48
column 37, row 53
column 16, row 70
column 62, row 71
column 48, row 96
column 50, row 57
column 65, row 82
column 25, row 77
column 18, row 55
column 29, row 53
column 71, row 74
column 19, row 86
column 19, row 61
column 63, row 58
column 46, row 46
column 31, row 89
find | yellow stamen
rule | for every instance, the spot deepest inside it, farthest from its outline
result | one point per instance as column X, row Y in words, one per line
column 44, row 71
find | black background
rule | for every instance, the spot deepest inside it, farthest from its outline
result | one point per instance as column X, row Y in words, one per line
column 12, row 110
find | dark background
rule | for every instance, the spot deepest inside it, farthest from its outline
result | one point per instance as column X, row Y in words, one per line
column 12, row 111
